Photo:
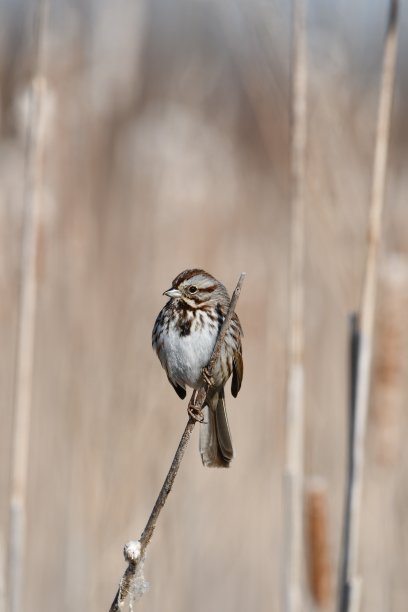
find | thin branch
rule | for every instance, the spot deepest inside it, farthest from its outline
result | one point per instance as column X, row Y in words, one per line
column 368, row 305
column 354, row 339
column 293, row 495
column 23, row 377
column 3, row 604
column 135, row 552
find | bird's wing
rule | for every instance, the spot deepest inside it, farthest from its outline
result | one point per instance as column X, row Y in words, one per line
column 181, row 392
column 237, row 371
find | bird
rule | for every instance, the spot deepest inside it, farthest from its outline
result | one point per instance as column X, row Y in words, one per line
column 184, row 336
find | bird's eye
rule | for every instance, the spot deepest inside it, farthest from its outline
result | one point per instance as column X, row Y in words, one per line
column 192, row 289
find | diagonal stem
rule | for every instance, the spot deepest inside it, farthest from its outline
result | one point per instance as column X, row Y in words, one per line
column 135, row 561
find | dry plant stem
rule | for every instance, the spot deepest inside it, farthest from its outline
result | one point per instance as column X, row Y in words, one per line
column 26, row 325
column 3, row 606
column 318, row 542
column 293, row 494
column 368, row 303
column 354, row 336
column 147, row 534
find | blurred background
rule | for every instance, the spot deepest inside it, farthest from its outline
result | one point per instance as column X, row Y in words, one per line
column 167, row 147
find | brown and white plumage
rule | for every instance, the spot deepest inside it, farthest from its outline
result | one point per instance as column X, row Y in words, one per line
column 184, row 336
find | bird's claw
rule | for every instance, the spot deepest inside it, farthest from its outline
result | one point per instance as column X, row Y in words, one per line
column 195, row 413
column 207, row 377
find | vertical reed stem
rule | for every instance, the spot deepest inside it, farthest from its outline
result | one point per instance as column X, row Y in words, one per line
column 293, row 494
column 354, row 339
column 3, row 603
column 23, row 377
column 352, row 580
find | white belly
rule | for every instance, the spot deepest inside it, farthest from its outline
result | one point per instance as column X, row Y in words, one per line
column 186, row 356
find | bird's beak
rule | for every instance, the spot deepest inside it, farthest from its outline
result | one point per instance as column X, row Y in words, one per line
column 173, row 293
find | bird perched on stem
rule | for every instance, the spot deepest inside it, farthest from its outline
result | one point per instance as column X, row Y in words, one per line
column 184, row 336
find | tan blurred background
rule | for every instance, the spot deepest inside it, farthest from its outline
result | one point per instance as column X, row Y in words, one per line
column 167, row 148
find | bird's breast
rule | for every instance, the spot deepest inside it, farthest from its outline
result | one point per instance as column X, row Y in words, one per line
column 188, row 346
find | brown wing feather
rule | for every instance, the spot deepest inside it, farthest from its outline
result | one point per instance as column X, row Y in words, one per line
column 181, row 392
column 237, row 372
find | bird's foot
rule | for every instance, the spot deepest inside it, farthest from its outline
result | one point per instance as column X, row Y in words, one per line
column 207, row 377
column 194, row 411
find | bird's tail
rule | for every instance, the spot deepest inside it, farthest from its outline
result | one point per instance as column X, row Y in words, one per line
column 215, row 437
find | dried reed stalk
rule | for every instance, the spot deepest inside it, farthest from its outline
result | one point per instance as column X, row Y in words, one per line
column 391, row 356
column 293, row 494
column 135, row 551
column 23, row 377
column 318, row 543
column 3, row 605
column 354, row 342
column 351, row 588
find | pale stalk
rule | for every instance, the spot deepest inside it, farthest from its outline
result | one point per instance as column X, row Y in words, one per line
column 350, row 600
column 23, row 377
column 293, row 491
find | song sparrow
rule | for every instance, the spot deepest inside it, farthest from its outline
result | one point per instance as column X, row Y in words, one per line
column 184, row 336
